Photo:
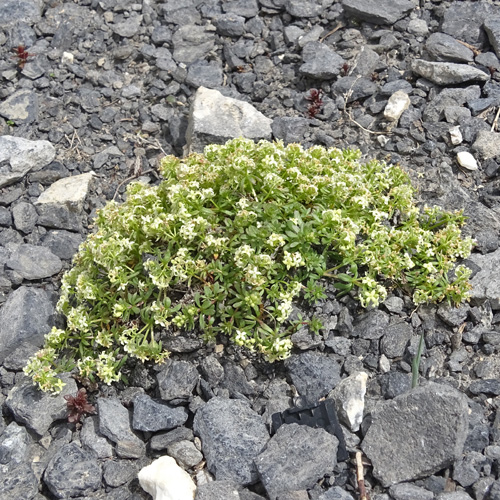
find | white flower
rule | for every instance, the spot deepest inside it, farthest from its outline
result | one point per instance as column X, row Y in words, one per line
column 293, row 259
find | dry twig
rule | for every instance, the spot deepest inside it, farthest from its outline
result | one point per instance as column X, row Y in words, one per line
column 340, row 25
column 471, row 47
column 136, row 174
column 495, row 121
column 363, row 495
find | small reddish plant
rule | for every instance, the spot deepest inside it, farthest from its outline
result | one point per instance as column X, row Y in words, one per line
column 21, row 55
column 314, row 98
column 78, row 406
column 345, row 69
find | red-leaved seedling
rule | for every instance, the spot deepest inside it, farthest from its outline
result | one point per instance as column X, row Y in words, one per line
column 21, row 55
column 78, row 406
column 314, row 98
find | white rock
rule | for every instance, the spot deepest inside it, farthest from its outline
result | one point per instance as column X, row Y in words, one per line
column 67, row 58
column 349, row 398
column 165, row 480
column 384, row 364
column 70, row 191
column 397, row 104
column 214, row 118
column 455, row 135
column 466, row 160
column 382, row 140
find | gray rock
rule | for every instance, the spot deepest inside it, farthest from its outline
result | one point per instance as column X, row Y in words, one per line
column 447, row 98
column 38, row 410
column 34, row 262
column 216, row 490
column 230, row 24
column 127, row 448
column 467, row 470
column 18, row 482
column 434, row 418
column 371, row 325
column 25, row 217
column 306, row 8
column 64, row 244
column 163, row 440
column 14, row 443
column 21, row 107
column 212, row 370
column 72, row 472
column 465, row 21
column 185, row 453
column 290, row 129
column 486, row 386
column 26, row 316
column 458, row 495
column 396, row 85
column 232, row 435
column 245, row 8
column 236, row 381
column 11, row 11
column 408, row 491
column 94, row 440
column 492, row 27
column 395, row 338
column 192, row 42
column 214, row 118
column 487, row 144
column 378, row 11
column 349, row 398
column 320, row 61
column 486, row 282
column 19, row 156
column 445, row 48
column 118, row 472
column 314, row 375
column 204, row 74
column 150, row 415
column 353, row 88
column 445, row 73
column 335, row 493
column 365, row 63
column 128, row 27
column 295, row 458
column 58, row 217
column 177, row 379
column 114, row 421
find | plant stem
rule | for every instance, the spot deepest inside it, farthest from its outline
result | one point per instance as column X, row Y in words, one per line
column 415, row 365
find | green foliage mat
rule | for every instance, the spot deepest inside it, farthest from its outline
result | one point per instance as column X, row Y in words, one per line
column 230, row 238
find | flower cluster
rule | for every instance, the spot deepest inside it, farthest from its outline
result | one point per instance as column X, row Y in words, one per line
column 230, row 239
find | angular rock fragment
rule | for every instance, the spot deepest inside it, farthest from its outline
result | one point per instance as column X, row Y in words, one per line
column 424, row 429
column 397, row 104
column 445, row 73
column 214, row 119
column 486, row 282
column 34, row 262
column 152, row 416
column 320, row 61
column 295, row 458
column 378, row 11
column 232, row 435
column 444, row 47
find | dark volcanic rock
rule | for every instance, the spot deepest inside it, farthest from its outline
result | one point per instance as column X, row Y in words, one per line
column 232, row 435
column 434, row 419
column 378, row 11
column 150, row 415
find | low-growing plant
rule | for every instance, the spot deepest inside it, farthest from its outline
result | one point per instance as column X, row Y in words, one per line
column 230, row 239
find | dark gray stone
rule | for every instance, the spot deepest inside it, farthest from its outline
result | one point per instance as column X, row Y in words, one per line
column 14, row 10
column 236, row 381
column 118, row 472
column 492, row 27
column 176, row 380
column 94, row 440
column 371, row 325
column 467, row 470
column 163, row 440
column 64, row 244
column 290, row 129
column 393, row 384
column 395, row 339
column 20, row 107
column 306, row 8
column 353, row 89
column 407, row 491
column 378, row 11
column 465, row 21
column 232, row 435
column 230, row 24
column 295, row 458
column 485, row 386
column 25, row 216
column 320, row 61
column 14, row 442
column 73, row 472
column 114, row 421
column 58, row 217
column 453, row 316
column 314, row 375
column 216, row 490
column 185, row 453
column 434, row 110
column 391, row 87
column 34, row 262
column 27, row 315
column 486, row 283
column 335, row 493
column 212, row 370
column 38, row 410
column 445, row 48
column 152, row 416
column 433, row 418
column 192, row 42
column 128, row 27
column 204, row 74
column 18, row 482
